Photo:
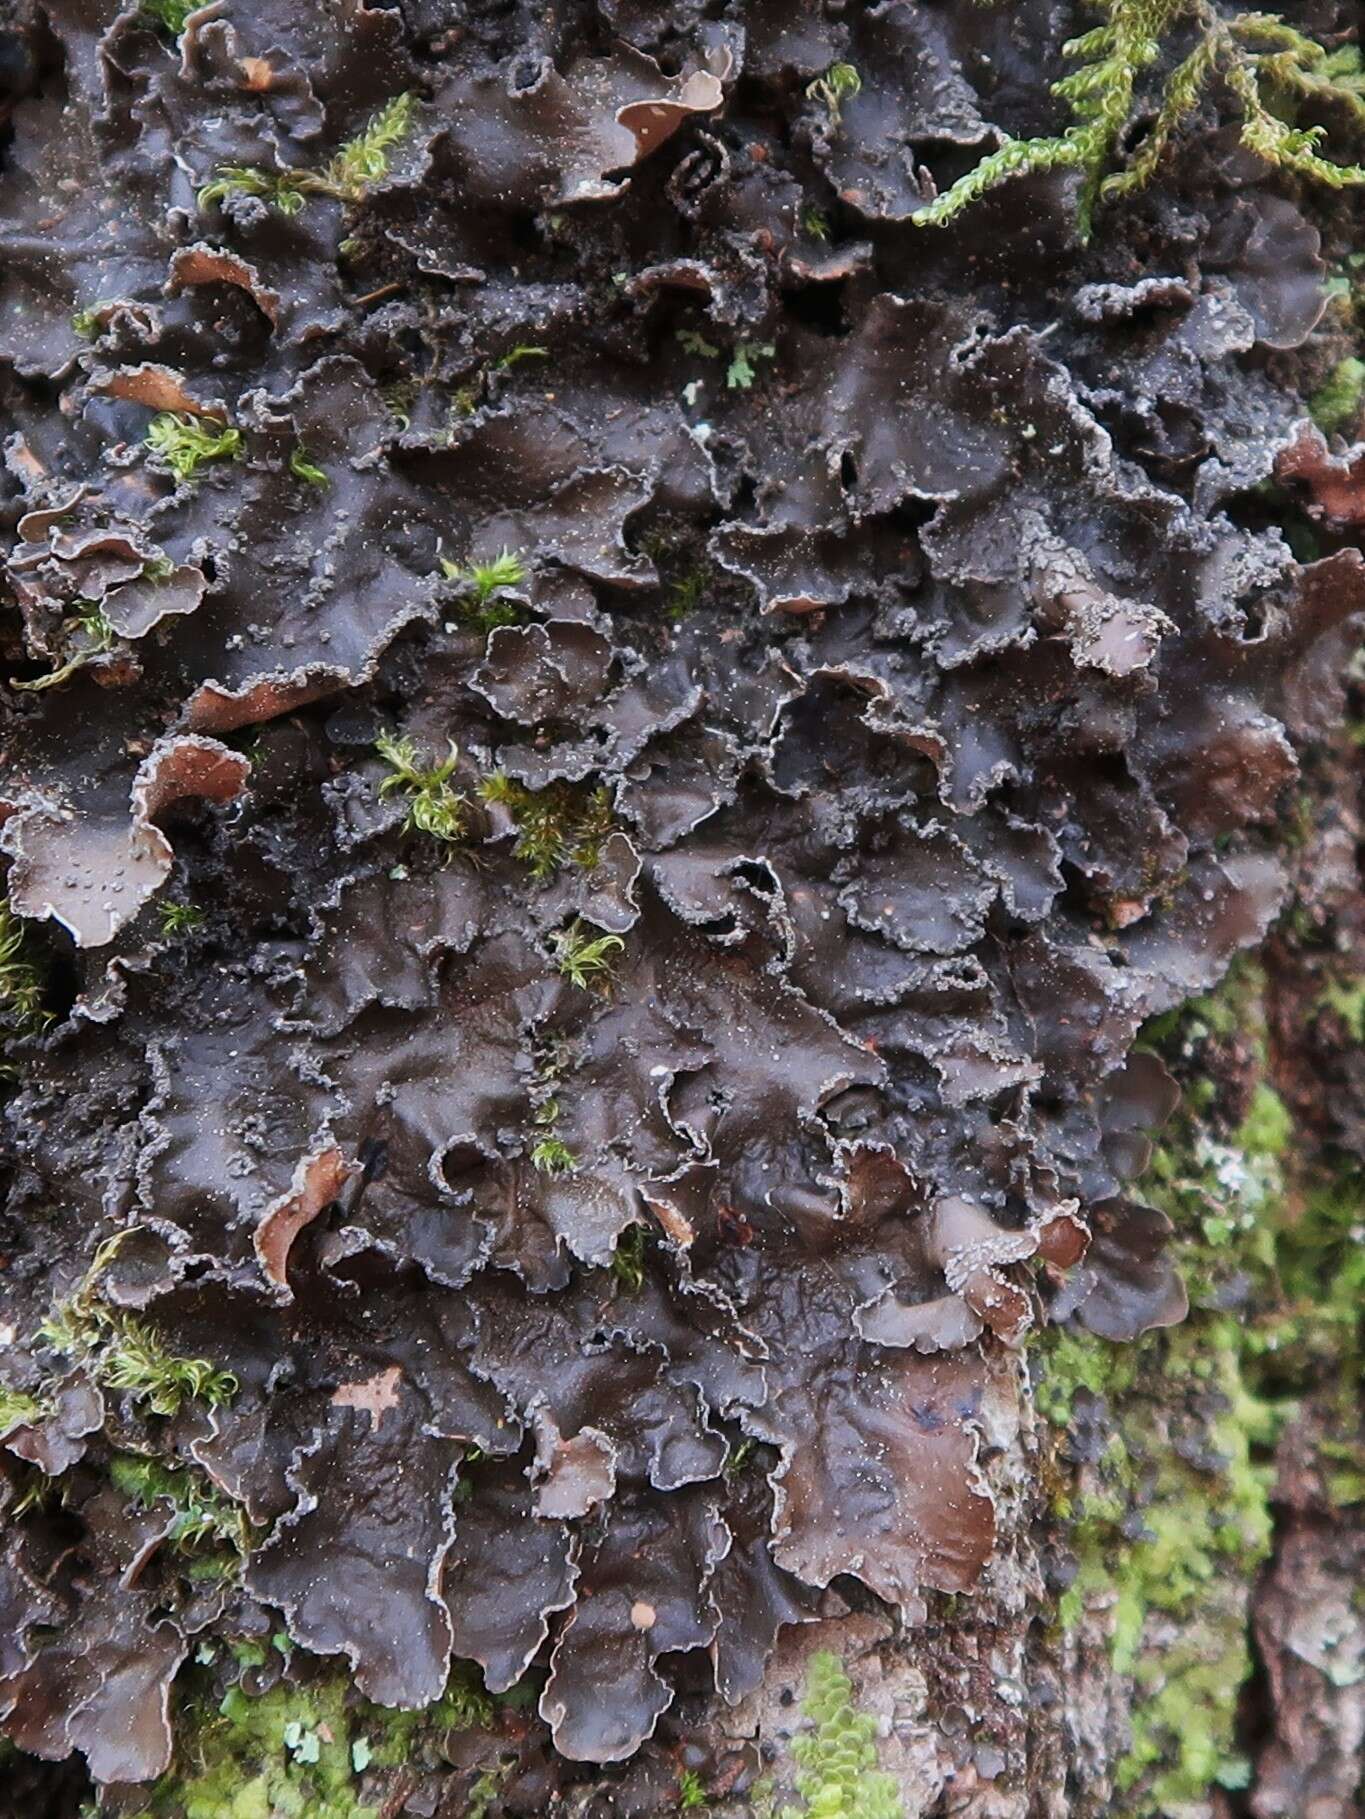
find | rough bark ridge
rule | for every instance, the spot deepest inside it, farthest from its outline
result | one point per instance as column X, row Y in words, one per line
column 675, row 882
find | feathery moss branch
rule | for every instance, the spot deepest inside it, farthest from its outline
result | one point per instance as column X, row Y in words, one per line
column 1102, row 91
column 364, row 160
column 550, row 1155
column 355, row 168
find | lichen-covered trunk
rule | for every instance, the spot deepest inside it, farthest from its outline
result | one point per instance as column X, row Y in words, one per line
column 682, row 959
column 1175, row 1620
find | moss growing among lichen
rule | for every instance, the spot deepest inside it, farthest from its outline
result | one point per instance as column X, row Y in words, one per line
column 22, row 1011
column 300, row 1751
column 1170, row 1523
column 561, row 824
column 120, row 1352
column 1265, row 66
column 243, row 1766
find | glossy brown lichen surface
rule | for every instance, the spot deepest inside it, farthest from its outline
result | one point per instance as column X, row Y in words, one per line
column 626, row 742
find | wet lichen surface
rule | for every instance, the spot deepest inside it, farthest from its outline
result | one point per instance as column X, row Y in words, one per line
column 621, row 740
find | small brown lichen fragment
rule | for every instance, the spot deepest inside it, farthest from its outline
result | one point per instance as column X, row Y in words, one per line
column 158, row 387
column 317, row 1182
column 94, row 875
column 201, row 264
column 1335, row 483
column 375, row 1396
column 575, row 1475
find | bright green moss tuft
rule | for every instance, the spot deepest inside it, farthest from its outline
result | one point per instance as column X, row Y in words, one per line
column 179, row 918
column 434, row 808
column 483, row 586
column 303, row 467
column 172, row 15
column 357, row 166
column 1336, row 404
column 299, row 1751
column 691, row 1791
column 120, row 1352
column 185, row 443
column 17, row 1408
column 840, row 83
column 584, row 959
column 202, row 1516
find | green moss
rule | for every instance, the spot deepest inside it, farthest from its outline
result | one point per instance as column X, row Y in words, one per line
column 585, row 960
column 1072, row 1360
column 123, row 1353
column 172, row 14
column 691, row 1791
column 483, row 602
column 179, row 918
column 203, row 1517
column 840, row 83
column 21, row 979
column 560, row 825
column 120, row 1352
column 1337, row 401
column 185, row 443
column 628, row 1259
column 434, row 808
column 552, row 1156
column 86, row 634
column 364, row 160
column 1348, row 1002
column 515, row 355
column 86, row 322
column 484, row 581
column 686, row 594
column 837, row 1774
column 298, row 1751
column 1267, row 1128
column 464, row 1706
column 285, row 1754
column 17, row 1409
column 1264, row 65
column 1169, row 1526
column 303, row 467
column 743, row 368
column 359, row 164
